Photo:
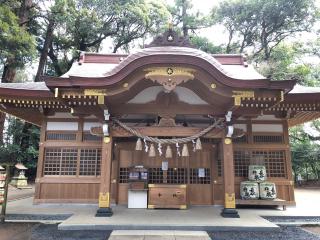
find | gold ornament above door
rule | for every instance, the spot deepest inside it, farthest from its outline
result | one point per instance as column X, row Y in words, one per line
column 169, row 77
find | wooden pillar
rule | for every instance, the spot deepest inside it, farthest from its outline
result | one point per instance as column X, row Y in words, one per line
column 229, row 210
column 40, row 161
column 105, row 179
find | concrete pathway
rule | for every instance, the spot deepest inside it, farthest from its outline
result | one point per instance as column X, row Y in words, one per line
column 158, row 235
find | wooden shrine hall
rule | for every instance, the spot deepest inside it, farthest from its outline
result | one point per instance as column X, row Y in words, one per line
column 168, row 126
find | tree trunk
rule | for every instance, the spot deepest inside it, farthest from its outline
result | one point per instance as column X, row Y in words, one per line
column 184, row 18
column 25, row 139
column 45, row 49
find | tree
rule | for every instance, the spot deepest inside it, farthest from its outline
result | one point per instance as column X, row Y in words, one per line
column 19, row 145
column 17, row 44
column 205, row 45
column 263, row 24
column 185, row 19
column 88, row 23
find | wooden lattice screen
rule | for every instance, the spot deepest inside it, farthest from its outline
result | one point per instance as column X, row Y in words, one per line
column 195, row 179
column 274, row 160
column 177, row 175
column 64, row 161
column 90, row 160
column 123, row 175
column 268, row 138
column 53, row 136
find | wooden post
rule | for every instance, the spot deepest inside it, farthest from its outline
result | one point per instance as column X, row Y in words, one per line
column 5, row 197
column 40, row 161
column 105, row 179
column 229, row 210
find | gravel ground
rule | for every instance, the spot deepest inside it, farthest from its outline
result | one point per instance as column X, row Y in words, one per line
column 285, row 233
column 292, row 218
column 37, row 231
column 38, row 217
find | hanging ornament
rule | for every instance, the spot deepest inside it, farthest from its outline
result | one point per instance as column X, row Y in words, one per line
column 160, row 149
column 139, row 145
column 168, row 152
column 152, row 150
column 178, row 150
column 198, row 144
column 146, row 147
column 185, row 151
column 193, row 145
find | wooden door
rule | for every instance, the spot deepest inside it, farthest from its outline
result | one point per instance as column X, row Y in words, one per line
column 200, row 188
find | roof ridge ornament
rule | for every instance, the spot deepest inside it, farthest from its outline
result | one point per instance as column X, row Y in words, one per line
column 170, row 38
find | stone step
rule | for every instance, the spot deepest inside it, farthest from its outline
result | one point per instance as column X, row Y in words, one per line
column 158, row 235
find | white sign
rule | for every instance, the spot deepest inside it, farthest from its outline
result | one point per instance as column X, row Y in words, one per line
column 164, row 166
column 201, row 173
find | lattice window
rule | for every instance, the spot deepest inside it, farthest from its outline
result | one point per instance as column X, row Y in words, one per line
column 69, row 161
column 90, row 160
column 195, row 179
column 275, row 164
column 241, row 163
column 60, row 161
column 123, row 175
column 243, row 139
column 90, row 137
column 177, row 175
column 52, row 161
column 268, row 138
column 155, row 175
column 61, row 136
column 274, row 161
column 219, row 167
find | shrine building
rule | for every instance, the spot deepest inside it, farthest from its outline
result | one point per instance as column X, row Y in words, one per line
column 168, row 126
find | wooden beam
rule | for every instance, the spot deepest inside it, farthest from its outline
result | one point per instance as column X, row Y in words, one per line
column 161, row 132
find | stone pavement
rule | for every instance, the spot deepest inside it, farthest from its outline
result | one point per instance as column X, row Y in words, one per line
column 194, row 218
column 158, row 235
column 15, row 193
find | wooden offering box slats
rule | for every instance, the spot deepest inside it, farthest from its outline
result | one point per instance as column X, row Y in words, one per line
column 167, row 196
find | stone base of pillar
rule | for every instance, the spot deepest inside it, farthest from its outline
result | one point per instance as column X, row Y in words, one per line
column 230, row 213
column 104, row 212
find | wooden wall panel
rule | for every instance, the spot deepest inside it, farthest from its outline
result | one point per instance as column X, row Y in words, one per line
column 200, row 194
column 123, row 193
column 69, row 191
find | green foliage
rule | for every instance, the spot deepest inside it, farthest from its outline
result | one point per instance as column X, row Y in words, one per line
column 285, row 62
column 86, row 24
column 305, row 152
column 263, row 24
column 15, row 42
column 205, row 45
column 20, row 143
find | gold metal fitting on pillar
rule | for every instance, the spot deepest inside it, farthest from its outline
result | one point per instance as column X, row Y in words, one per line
column 104, row 200
column 230, row 200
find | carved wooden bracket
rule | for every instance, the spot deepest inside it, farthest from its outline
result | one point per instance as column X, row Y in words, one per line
column 169, row 77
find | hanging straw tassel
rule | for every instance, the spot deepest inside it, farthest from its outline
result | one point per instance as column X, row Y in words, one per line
column 198, row 144
column 168, row 152
column 185, row 151
column 152, row 150
column 139, row 145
